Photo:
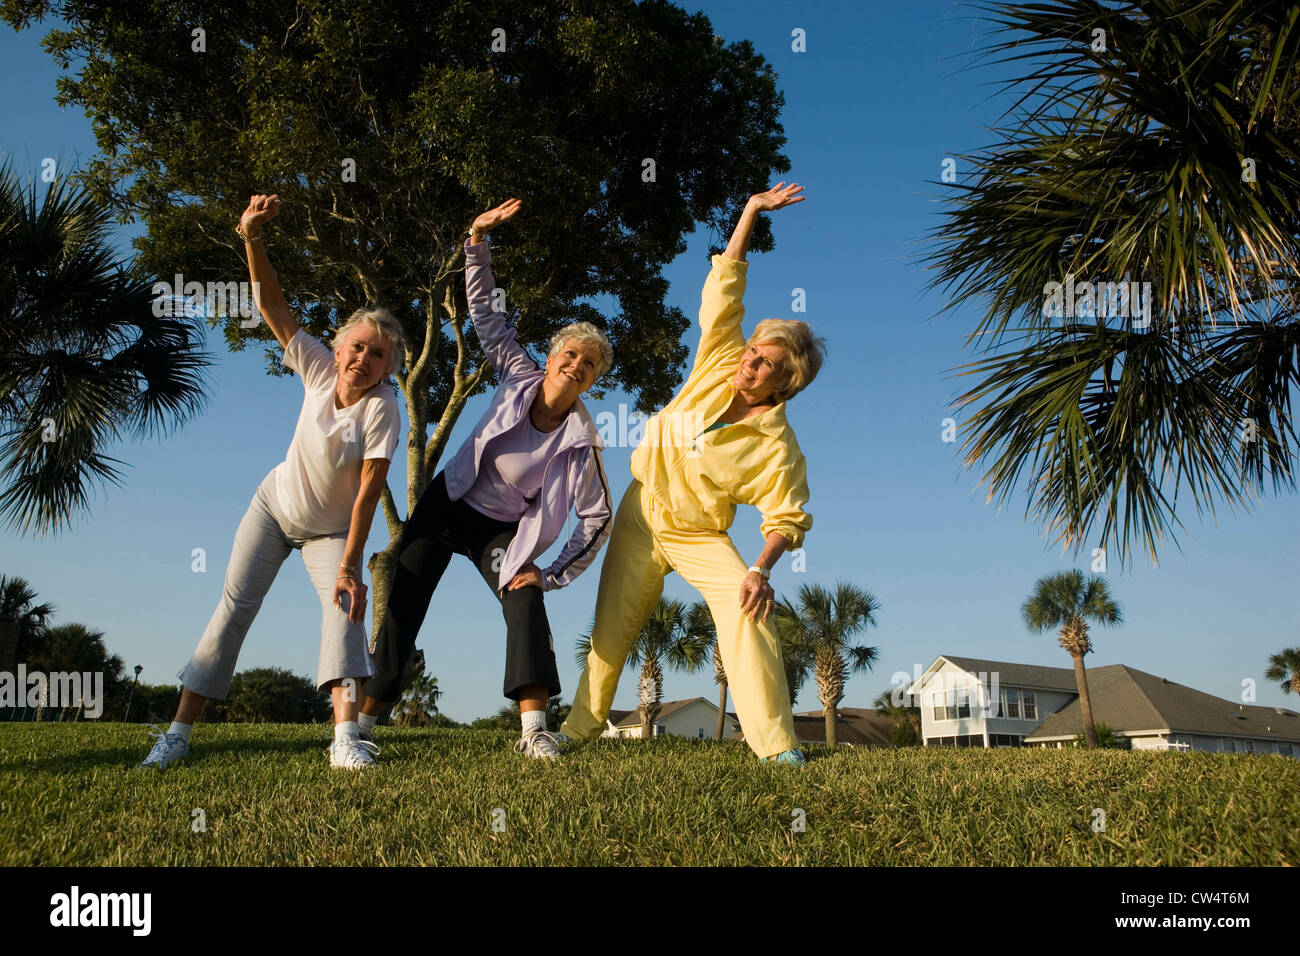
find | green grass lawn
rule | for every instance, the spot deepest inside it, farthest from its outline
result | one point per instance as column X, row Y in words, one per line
column 69, row 796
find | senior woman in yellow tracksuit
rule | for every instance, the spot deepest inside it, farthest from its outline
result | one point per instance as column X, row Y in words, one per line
column 722, row 441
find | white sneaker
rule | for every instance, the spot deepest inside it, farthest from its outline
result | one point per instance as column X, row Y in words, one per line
column 367, row 735
column 542, row 744
column 167, row 750
column 353, row 753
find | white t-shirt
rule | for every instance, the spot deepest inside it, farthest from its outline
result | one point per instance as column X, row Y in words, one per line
column 318, row 481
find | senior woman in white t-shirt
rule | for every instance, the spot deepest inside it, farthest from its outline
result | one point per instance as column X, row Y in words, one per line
column 320, row 499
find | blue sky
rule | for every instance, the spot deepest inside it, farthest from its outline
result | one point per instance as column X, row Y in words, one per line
column 873, row 106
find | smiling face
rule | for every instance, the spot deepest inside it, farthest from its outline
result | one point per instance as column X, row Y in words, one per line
column 363, row 358
column 572, row 369
column 761, row 373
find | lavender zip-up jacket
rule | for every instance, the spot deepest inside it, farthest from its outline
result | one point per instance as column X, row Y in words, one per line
column 574, row 478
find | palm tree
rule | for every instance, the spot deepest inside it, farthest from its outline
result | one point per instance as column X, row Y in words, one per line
column 796, row 657
column 21, row 621
column 75, row 648
column 1064, row 600
column 823, row 625
column 87, row 363
column 666, row 640
column 419, row 703
column 699, row 620
column 1135, row 152
column 1285, row 667
column 907, row 719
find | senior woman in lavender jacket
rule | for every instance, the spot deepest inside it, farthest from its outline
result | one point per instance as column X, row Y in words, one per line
column 503, row 500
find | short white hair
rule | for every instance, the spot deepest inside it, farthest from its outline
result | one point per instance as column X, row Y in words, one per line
column 383, row 322
column 587, row 334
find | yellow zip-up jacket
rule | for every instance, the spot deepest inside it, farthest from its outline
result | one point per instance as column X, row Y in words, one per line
column 698, row 478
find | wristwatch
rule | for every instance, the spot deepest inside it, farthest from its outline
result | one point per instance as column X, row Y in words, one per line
column 766, row 574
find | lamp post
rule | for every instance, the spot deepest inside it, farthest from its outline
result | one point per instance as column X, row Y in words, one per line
column 130, row 696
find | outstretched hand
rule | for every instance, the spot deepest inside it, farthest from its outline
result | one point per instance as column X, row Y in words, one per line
column 778, row 197
column 489, row 220
column 261, row 209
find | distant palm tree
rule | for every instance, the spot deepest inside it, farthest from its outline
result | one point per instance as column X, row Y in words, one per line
column 1133, row 153
column 665, row 640
column 1064, row 600
column 419, row 704
column 699, row 620
column 796, row 658
column 1285, row 667
column 823, row 625
column 75, row 648
column 21, row 621
column 86, row 361
column 906, row 718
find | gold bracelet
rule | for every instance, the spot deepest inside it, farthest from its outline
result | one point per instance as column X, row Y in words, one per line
column 245, row 236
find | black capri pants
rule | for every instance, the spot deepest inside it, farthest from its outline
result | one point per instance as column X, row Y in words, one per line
column 437, row 529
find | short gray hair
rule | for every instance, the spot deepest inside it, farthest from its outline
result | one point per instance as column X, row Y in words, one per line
column 587, row 334
column 383, row 322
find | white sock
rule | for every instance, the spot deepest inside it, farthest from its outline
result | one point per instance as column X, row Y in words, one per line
column 534, row 721
column 367, row 721
column 345, row 729
column 182, row 729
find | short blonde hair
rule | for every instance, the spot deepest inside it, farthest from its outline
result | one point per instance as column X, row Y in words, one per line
column 383, row 322
column 803, row 352
column 587, row 334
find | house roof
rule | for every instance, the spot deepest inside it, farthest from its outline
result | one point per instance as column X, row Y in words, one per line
column 1018, row 675
column 1131, row 700
column 632, row 718
column 856, row 725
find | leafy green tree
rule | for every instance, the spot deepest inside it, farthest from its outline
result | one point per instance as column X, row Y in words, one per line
column 906, row 729
column 385, row 127
column 1066, row 601
column 1149, row 142
column 22, row 621
column 824, row 625
column 154, row 703
column 75, row 648
column 270, row 695
column 509, row 718
column 1107, row 739
column 1285, row 667
column 86, row 361
column 669, row 638
column 419, row 704
column 445, row 722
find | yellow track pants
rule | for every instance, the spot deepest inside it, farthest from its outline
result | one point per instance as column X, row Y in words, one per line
column 643, row 548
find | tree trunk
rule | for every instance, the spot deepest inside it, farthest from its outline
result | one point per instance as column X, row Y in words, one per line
column 382, row 564
column 651, row 696
column 829, row 714
column 1085, row 702
column 722, row 712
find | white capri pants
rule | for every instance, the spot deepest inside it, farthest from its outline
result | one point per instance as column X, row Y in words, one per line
column 262, row 544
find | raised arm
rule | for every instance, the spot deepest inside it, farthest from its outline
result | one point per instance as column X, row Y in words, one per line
column 775, row 198
column 266, row 287
column 722, row 302
column 497, row 336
